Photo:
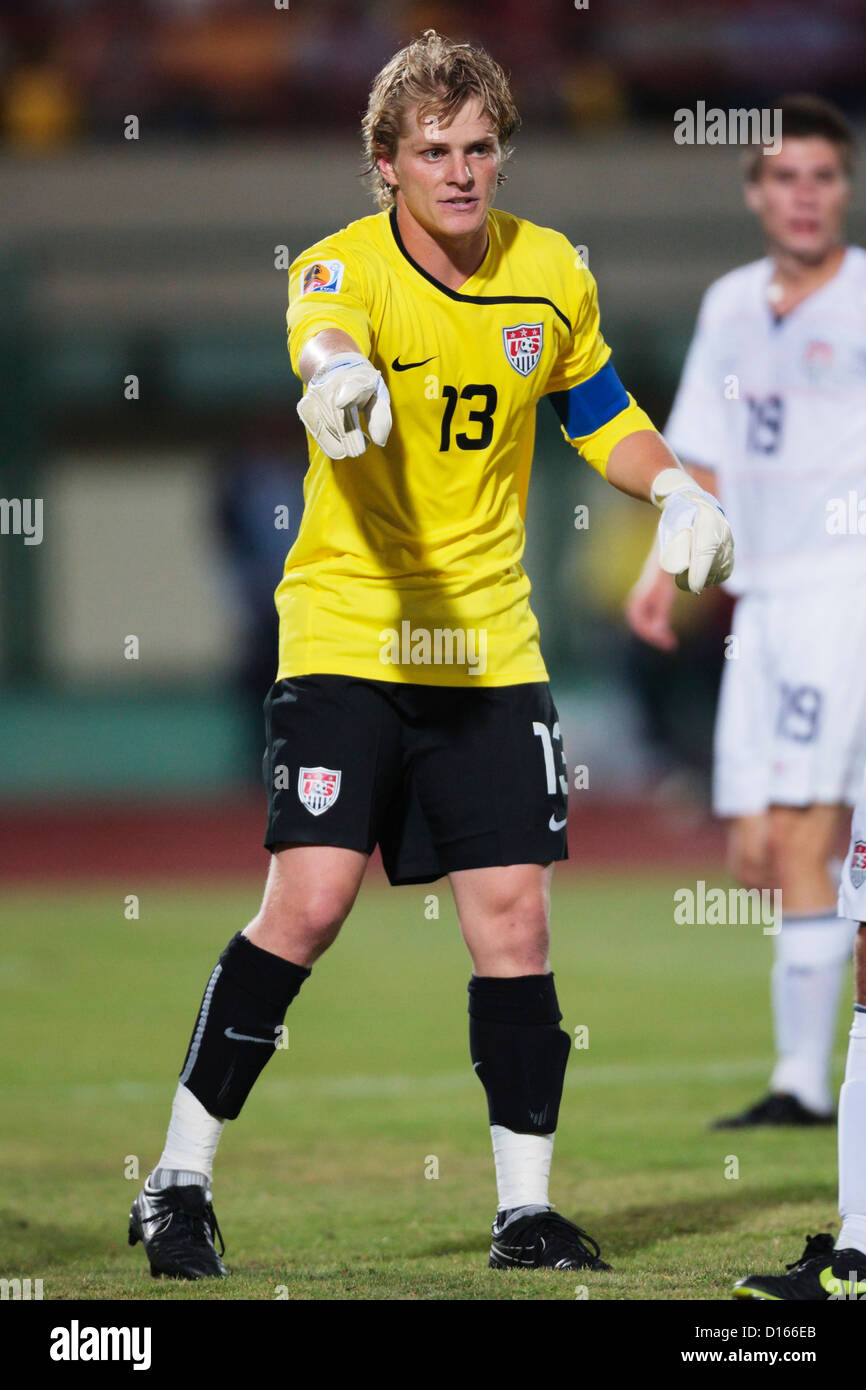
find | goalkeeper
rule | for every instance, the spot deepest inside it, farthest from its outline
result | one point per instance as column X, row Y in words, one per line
column 411, row 707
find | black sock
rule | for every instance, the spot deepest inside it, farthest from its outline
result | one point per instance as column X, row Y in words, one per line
column 238, row 1024
column 518, row 1051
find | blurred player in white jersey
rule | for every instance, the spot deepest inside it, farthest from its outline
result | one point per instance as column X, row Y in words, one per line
column 771, row 416
column 828, row 1270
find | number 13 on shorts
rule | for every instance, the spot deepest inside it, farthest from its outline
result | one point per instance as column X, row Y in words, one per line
column 549, row 737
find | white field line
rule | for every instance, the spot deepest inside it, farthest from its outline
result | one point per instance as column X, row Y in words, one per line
column 579, row 1077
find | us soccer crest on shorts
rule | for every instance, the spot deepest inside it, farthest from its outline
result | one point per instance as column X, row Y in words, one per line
column 858, row 863
column 318, row 788
column 523, row 345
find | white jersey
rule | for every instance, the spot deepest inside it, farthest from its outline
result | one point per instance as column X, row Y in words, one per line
column 778, row 408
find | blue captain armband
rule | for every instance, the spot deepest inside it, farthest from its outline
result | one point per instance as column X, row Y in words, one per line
column 586, row 407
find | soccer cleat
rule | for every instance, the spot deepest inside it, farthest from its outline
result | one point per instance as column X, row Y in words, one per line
column 543, row 1240
column 176, row 1226
column 778, row 1108
column 821, row 1273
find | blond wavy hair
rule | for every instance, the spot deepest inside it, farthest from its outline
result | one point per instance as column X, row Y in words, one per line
column 438, row 76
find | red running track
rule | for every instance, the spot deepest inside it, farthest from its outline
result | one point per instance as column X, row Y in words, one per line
column 223, row 839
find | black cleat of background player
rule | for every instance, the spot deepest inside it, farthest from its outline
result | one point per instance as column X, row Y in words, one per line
column 177, row 1226
column 778, row 1108
column 543, row 1240
column 821, row 1273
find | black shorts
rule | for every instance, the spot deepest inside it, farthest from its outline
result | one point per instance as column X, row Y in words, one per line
column 441, row 778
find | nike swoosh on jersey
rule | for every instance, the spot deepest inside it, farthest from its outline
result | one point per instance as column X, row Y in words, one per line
column 399, row 366
column 247, row 1037
column 554, row 824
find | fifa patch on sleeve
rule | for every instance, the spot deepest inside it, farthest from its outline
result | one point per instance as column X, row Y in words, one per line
column 326, row 276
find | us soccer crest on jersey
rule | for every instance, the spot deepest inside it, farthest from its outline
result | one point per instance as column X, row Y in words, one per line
column 318, row 788
column 523, row 345
column 858, row 863
column 852, row 883
column 818, row 361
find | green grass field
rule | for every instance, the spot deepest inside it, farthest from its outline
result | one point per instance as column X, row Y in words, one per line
column 320, row 1186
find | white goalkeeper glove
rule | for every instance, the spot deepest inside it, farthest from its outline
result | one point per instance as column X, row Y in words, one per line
column 344, row 385
column 695, row 541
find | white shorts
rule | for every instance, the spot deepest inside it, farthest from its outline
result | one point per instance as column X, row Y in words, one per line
column 852, row 884
column 791, row 723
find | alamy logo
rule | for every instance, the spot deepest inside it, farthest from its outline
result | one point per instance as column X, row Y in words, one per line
column 22, row 516
column 439, row 646
column 737, row 126
column 716, row 907
column 20, row 1288
column 846, row 516
column 77, row 1343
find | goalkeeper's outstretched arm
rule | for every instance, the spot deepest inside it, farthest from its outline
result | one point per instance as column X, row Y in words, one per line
column 340, row 383
column 650, row 603
column 694, row 538
column 321, row 347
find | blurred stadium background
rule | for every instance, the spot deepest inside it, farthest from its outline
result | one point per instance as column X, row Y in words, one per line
column 156, row 257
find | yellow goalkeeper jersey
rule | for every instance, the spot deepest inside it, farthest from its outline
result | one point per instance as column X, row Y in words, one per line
column 407, row 562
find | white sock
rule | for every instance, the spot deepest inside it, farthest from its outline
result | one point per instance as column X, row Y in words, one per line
column 852, row 1140
column 522, row 1167
column 191, row 1142
column 811, row 956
